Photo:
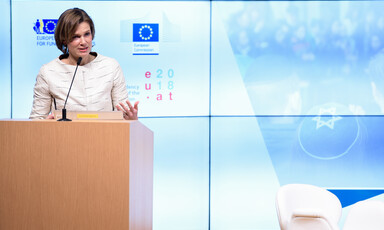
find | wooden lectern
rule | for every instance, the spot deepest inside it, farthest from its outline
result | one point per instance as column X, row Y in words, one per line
column 75, row 175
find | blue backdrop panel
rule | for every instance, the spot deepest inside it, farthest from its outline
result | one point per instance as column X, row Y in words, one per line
column 5, row 60
column 327, row 151
column 181, row 172
column 351, row 196
column 286, row 57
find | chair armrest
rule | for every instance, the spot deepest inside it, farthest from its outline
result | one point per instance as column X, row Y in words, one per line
column 313, row 213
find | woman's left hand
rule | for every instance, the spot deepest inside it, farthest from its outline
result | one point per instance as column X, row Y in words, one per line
column 130, row 112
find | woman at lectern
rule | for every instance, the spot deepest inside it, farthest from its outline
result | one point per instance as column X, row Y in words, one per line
column 99, row 84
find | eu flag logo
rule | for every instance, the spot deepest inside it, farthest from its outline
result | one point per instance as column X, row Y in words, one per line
column 45, row 26
column 145, row 32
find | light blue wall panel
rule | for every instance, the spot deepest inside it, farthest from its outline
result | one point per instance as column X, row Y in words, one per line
column 243, row 179
column 5, row 59
column 181, row 173
column 174, row 82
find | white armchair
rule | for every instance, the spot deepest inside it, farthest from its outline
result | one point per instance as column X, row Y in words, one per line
column 307, row 207
column 365, row 215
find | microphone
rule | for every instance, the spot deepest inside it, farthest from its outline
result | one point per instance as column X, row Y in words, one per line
column 64, row 111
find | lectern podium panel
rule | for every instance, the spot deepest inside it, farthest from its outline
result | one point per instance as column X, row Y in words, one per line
column 75, row 175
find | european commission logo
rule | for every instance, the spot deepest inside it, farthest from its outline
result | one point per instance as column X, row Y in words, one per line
column 145, row 38
column 45, row 30
column 145, row 32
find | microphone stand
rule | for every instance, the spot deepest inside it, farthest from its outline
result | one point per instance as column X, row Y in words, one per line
column 64, row 111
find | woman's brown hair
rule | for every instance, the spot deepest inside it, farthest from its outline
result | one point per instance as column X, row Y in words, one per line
column 67, row 24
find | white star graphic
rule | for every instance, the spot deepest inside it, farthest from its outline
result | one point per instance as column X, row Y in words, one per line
column 331, row 122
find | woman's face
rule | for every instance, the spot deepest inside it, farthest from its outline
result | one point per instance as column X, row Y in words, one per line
column 81, row 44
